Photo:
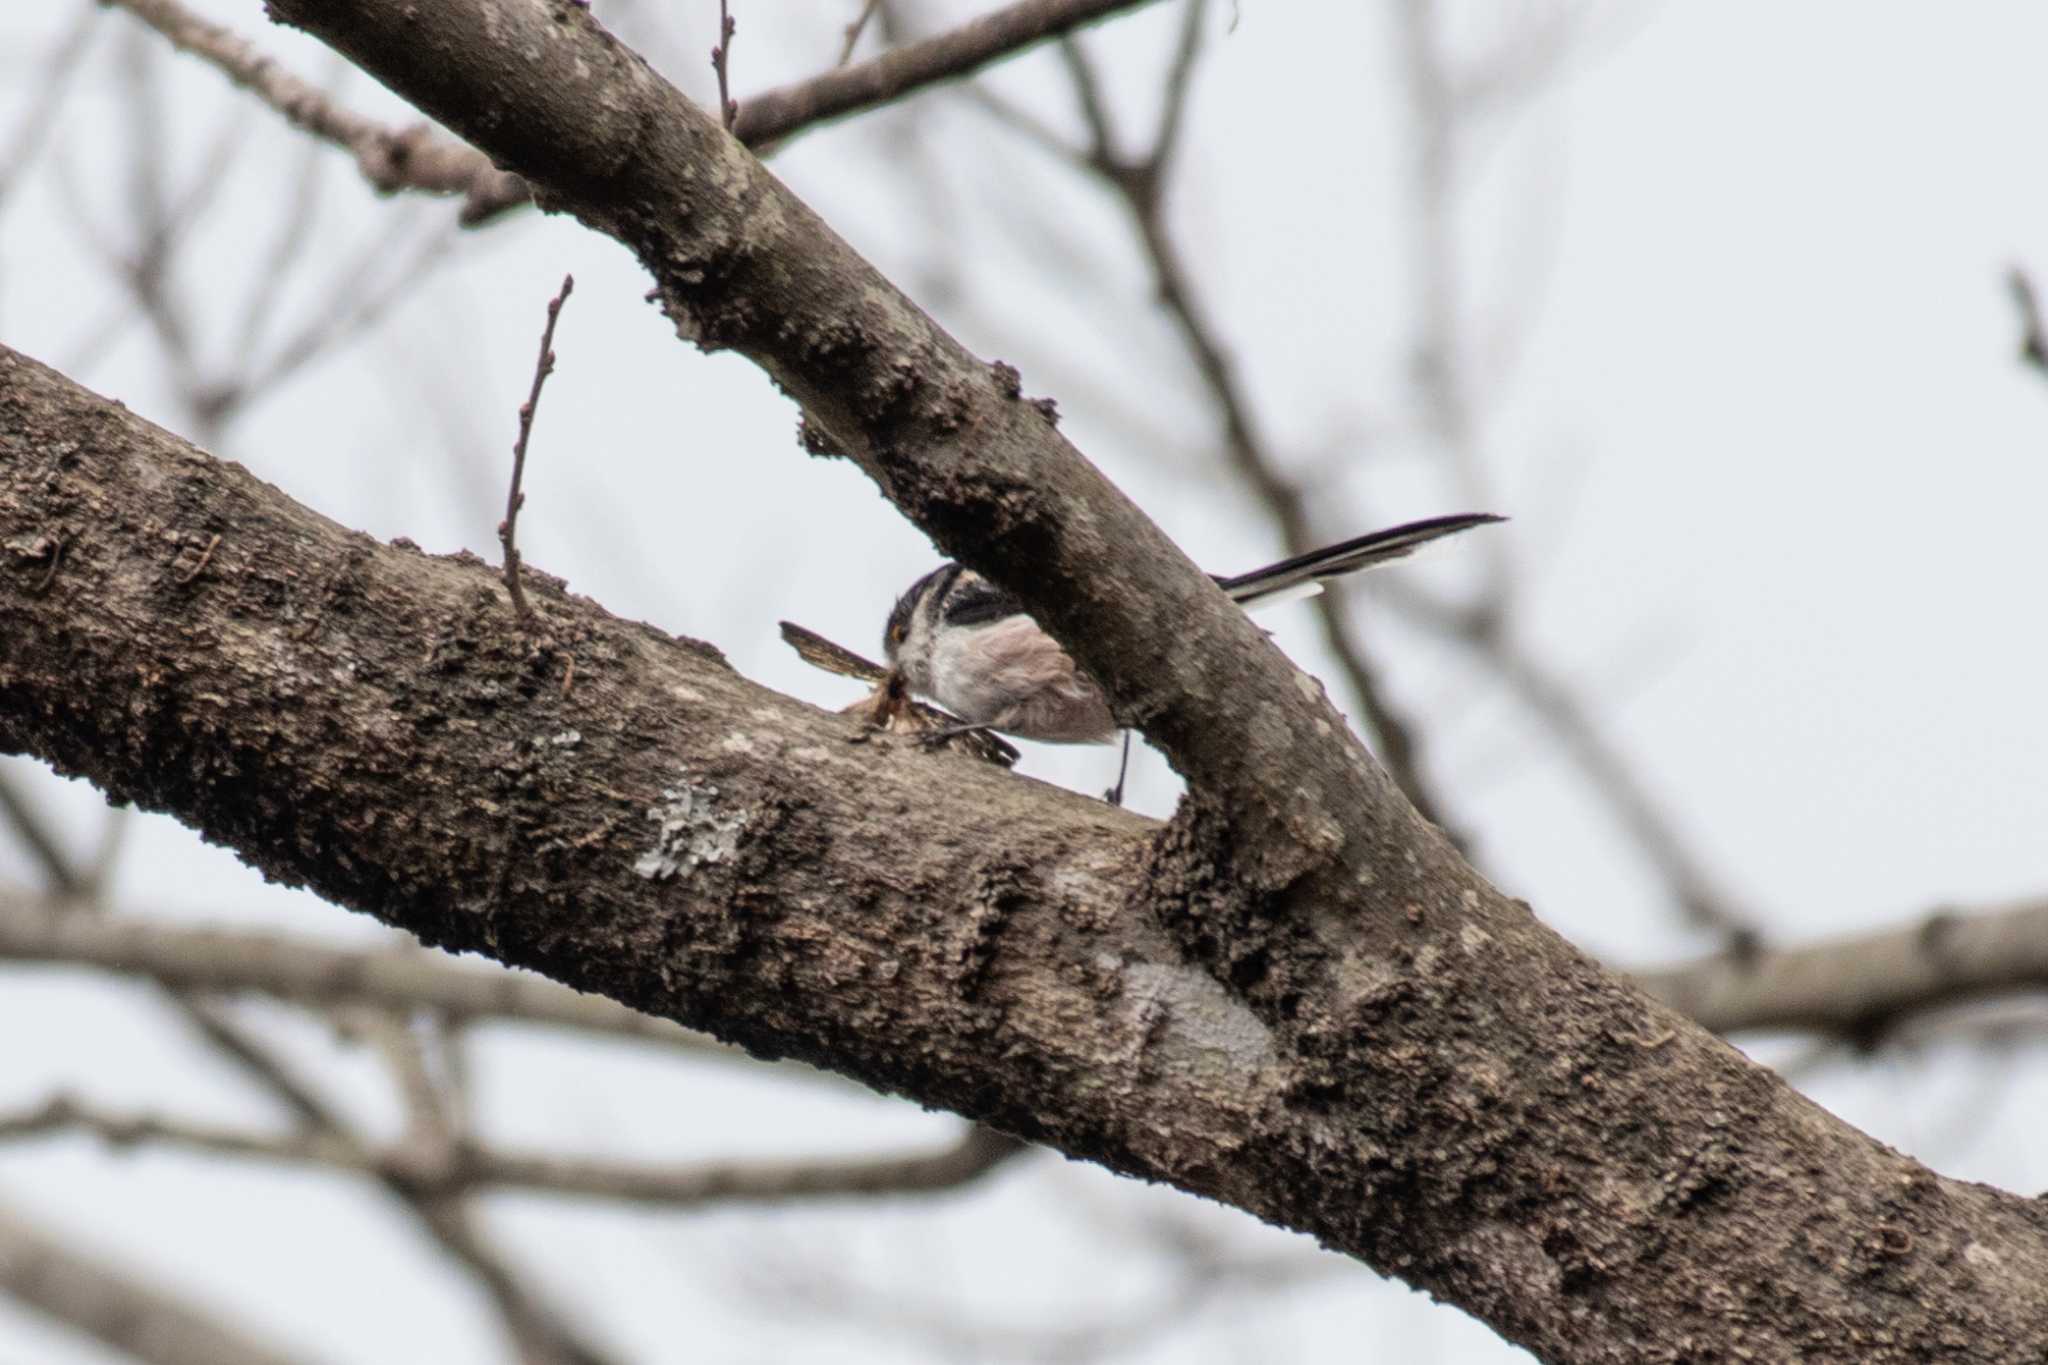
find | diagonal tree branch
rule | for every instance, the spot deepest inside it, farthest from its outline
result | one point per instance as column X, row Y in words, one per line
column 1457, row 1096
column 39, row 839
column 56, row 71
column 778, row 114
column 115, row 1306
column 1295, row 998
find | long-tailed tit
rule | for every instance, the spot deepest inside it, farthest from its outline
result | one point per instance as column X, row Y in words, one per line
column 969, row 646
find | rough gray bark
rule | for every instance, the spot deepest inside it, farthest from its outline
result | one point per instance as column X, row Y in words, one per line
column 1443, row 1089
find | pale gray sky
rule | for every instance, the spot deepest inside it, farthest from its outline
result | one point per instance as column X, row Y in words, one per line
column 1750, row 397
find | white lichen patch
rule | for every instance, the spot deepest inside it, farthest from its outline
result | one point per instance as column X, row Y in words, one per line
column 1473, row 938
column 692, row 830
column 1204, row 1030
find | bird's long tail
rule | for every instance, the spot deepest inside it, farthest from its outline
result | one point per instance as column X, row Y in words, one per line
column 1304, row 575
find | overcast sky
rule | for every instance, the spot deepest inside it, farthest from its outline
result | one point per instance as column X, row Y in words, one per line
column 1749, row 392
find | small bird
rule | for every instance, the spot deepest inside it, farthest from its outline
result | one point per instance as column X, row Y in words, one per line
column 970, row 647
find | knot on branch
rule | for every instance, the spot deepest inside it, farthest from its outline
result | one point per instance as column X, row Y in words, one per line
column 1191, row 884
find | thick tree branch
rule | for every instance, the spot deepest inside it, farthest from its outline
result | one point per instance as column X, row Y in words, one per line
column 115, row 1306
column 1450, row 1093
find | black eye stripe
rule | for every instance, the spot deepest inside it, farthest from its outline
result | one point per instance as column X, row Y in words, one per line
column 947, row 575
column 938, row 580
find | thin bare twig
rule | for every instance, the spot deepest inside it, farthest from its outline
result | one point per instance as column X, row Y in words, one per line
column 390, row 159
column 1179, row 80
column 542, row 1335
column 162, row 221
column 450, row 1169
column 1695, row 889
column 430, row 1122
column 419, row 159
column 776, row 114
column 2033, row 336
column 721, row 62
column 260, row 1063
column 543, row 366
column 856, row 28
column 1200, row 1276
column 287, row 247
column 205, row 558
column 352, row 305
column 222, row 961
column 57, row 69
column 38, row 839
column 974, row 1154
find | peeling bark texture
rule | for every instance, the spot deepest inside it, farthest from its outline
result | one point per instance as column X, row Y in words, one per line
column 1410, row 1068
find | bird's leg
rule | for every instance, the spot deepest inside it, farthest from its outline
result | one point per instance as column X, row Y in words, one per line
column 932, row 739
column 1115, row 795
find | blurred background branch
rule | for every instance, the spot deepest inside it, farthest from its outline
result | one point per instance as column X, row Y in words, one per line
column 116, row 1306
column 1118, row 235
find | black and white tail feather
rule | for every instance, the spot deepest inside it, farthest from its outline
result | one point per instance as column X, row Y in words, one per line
column 970, row 647
column 1304, row 575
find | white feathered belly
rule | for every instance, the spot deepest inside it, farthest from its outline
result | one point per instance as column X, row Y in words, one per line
column 1012, row 676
